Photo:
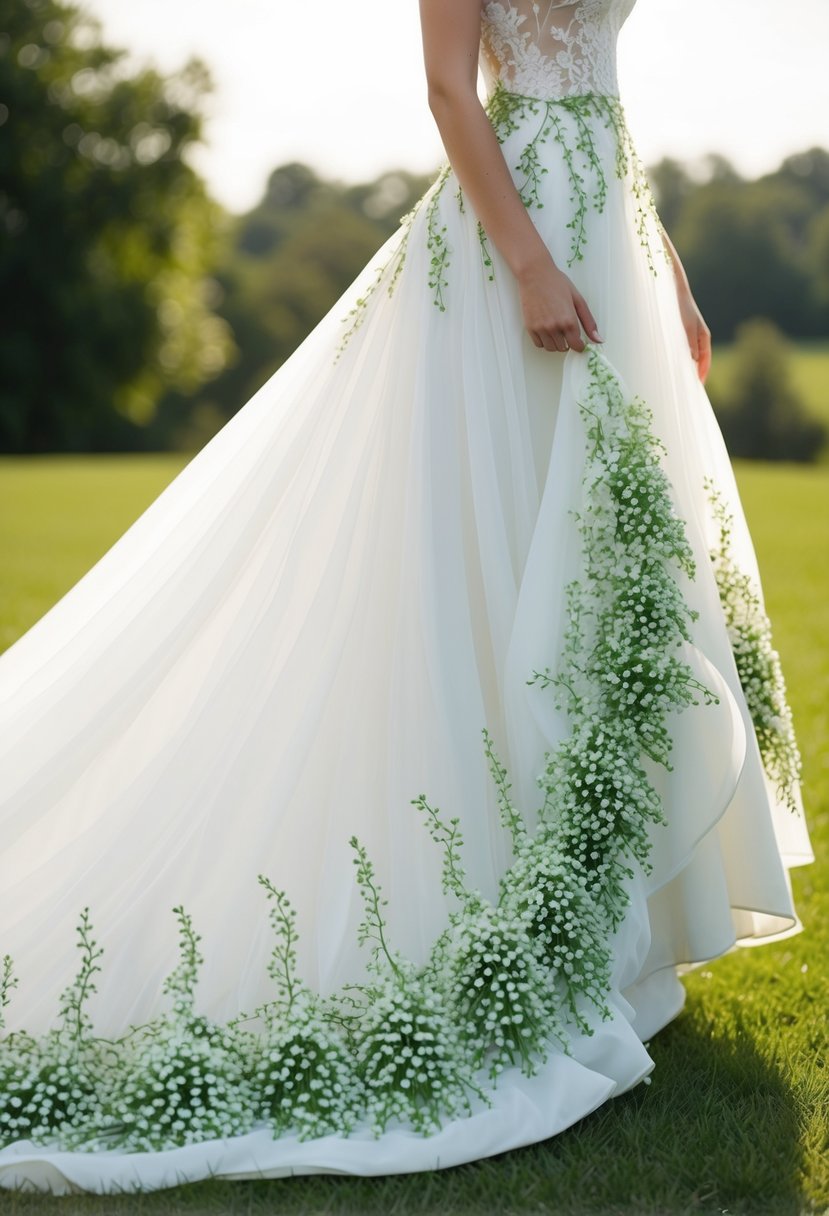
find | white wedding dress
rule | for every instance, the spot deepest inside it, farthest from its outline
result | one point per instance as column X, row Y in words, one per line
column 311, row 627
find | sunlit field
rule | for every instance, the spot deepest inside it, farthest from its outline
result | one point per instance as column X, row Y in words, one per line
column 737, row 1118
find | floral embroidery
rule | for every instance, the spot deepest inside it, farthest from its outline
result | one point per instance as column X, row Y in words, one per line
column 569, row 123
column 758, row 663
column 549, row 49
column 510, row 111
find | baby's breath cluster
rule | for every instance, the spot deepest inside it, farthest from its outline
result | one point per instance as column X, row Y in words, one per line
column 599, row 807
column 411, row 1064
column 301, row 1068
column 305, row 1076
column 758, row 663
column 622, row 673
column 628, row 617
column 181, row 1078
column 489, row 965
column 176, row 1082
column 48, row 1089
column 500, row 990
column 544, row 889
column 48, row 1085
column 630, row 608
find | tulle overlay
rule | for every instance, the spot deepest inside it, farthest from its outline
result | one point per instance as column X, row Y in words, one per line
column 312, row 626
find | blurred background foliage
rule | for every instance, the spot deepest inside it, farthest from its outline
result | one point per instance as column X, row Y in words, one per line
column 138, row 315
column 108, row 237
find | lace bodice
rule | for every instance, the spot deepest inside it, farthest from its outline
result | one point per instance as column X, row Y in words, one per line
column 552, row 48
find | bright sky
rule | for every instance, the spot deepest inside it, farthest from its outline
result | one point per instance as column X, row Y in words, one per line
column 339, row 85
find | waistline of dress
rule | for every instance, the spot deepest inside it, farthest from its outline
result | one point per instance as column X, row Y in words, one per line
column 575, row 101
column 500, row 89
column 509, row 112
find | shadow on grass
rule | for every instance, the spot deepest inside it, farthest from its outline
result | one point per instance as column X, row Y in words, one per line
column 717, row 1131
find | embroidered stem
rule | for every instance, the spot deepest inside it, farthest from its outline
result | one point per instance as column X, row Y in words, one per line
column 507, row 112
column 436, row 243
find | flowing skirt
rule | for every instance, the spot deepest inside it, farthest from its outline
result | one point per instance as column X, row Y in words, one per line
column 311, row 627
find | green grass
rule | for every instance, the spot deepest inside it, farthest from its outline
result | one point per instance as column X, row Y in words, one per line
column 737, row 1117
column 58, row 514
column 810, row 374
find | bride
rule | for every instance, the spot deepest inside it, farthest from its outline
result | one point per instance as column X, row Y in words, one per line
column 391, row 769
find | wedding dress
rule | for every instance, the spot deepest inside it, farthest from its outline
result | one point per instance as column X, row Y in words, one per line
column 483, row 620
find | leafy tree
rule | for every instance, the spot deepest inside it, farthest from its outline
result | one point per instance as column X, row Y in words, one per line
column 808, row 171
column 107, row 236
column 718, row 168
column 761, row 415
column 743, row 249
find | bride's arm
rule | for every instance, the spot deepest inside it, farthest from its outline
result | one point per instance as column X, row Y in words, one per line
column 553, row 309
column 698, row 333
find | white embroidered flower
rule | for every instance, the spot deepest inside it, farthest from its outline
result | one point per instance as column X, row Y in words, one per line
column 532, row 56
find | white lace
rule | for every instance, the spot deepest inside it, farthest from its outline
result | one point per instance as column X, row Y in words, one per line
column 552, row 48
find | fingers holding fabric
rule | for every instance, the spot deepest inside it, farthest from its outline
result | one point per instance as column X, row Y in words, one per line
column 554, row 311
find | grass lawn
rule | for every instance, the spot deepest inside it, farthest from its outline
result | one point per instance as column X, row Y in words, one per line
column 737, row 1118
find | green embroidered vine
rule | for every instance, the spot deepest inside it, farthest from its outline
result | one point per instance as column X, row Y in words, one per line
column 485, row 253
column 486, row 256
column 508, row 980
column 758, row 663
column 8, row 982
column 436, row 242
column 390, row 270
column 49, row 1085
column 507, row 113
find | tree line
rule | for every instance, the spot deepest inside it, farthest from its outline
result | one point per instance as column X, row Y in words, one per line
column 138, row 315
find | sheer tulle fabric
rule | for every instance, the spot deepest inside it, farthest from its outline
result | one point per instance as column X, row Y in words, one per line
column 310, row 627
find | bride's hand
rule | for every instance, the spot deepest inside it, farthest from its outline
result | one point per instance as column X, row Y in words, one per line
column 698, row 333
column 554, row 311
